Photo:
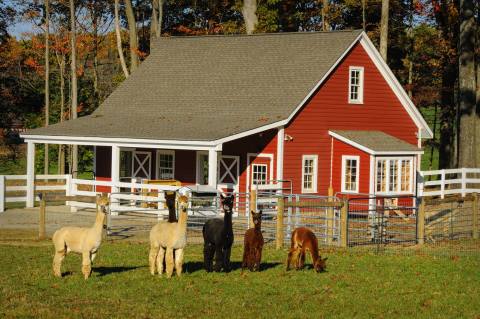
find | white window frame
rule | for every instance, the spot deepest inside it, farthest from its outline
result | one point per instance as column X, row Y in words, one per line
column 314, row 175
column 198, row 170
column 388, row 160
column 266, row 173
column 344, row 161
column 359, row 100
column 164, row 152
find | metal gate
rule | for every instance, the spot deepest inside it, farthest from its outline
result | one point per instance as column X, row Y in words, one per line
column 382, row 220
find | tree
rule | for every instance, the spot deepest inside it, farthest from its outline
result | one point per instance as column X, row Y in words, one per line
column 467, row 85
column 132, row 33
column 47, row 80
column 119, row 40
column 249, row 11
column 325, row 23
column 384, row 30
column 74, row 87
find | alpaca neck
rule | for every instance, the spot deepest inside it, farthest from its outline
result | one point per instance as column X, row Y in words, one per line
column 99, row 219
column 182, row 220
column 258, row 227
column 227, row 220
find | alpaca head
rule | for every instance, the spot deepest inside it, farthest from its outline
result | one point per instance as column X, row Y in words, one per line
column 257, row 218
column 170, row 200
column 226, row 203
column 321, row 264
column 183, row 203
column 102, row 202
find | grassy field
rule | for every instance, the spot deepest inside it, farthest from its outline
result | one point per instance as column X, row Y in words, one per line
column 362, row 285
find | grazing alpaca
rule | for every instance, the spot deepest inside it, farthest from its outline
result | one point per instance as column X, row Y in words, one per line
column 80, row 240
column 170, row 202
column 166, row 237
column 304, row 239
column 218, row 238
column 253, row 244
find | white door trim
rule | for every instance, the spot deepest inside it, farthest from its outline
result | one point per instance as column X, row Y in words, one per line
column 141, row 164
column 265, row 155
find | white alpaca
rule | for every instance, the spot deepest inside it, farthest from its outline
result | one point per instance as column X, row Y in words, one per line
column 80, row 240
column 166, row 237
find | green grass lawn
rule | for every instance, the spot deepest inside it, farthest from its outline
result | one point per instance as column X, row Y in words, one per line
column 356, row 284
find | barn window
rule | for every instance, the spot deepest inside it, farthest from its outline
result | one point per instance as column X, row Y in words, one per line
column 394, row 175
column 350, row 173
column 165, row 164
column 259, row 174
column 355, row 87
column 309, row 173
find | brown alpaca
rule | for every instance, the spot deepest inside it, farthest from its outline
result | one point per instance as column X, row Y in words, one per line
column 82, row 240
column 253, row 244
column 303, row 240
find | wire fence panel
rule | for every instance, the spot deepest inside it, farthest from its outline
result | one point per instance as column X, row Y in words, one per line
column 386, row 220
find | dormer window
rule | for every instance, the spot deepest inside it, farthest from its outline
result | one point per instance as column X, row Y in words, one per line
column 355, row 87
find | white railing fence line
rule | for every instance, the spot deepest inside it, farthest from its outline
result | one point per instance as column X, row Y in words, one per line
column 448, row 182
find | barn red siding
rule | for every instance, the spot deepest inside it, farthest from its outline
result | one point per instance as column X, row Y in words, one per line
column 185, row 166
column 265, row 142
column 328, row 109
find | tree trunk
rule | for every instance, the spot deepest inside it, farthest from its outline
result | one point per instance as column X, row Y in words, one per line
column 467, row 85
column 154, row 23
column 325, row 23
column 364, row 19
column 447, row 116
column 47, row 80
column 477, row 66
column 61, row 148
column 73, row 70
column 160, row 17
column 119, row 40
column 132, row 32
column 384, row 30
column 249, row 12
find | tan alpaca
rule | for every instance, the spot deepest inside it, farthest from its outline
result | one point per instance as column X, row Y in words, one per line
column 80, row 240
column 166, row 237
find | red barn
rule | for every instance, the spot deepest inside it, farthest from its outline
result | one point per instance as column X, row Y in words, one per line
column 318, row 110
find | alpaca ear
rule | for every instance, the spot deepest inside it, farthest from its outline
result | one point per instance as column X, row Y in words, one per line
column 221, row 196
column 325, row 259
column 260, row 212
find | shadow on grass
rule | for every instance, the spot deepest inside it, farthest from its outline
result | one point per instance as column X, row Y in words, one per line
column 193, row 266
column 103, row 271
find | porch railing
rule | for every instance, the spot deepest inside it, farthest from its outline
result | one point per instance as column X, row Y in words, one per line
column 448, row 182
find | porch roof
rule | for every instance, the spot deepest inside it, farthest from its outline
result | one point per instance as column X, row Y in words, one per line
column 212, row 87
column 375, row 142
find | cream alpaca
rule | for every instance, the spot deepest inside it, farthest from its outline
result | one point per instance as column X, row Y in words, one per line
column 166, row 237
column 80, row 240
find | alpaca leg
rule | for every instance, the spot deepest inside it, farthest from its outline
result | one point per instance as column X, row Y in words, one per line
column 169, row 261
column 57, row 262
column 152, row 256
column 160, row 259
column 208, row 252
column 258, row 258
column 290, row 258
column 86, row 264
column 179, row 261
column 218, row 258
column 226, row 259
column 245, row 256
column 301, row 260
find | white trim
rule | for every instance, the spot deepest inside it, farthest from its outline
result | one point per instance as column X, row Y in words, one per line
column 141, row 164
column 253, row 171
column 266, row 155
column 395, row 86
column 411, row 159
column 30, row 200
column 361, row 70
column 115, row 168
column 331, row 162
column 228, row 169
column 197, row 167
column 372, row 176
column 213, row 158
column 157, row 162
column 314, row 176
column 369, row 151
column 280, row 152
column 344, row 159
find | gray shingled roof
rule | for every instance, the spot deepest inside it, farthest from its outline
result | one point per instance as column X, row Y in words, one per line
column 210, row 87
column 378, row 141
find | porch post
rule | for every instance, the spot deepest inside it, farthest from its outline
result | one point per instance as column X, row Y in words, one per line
column 213, row 167
column 280, row 148
column 30, row 174
column 115, row 170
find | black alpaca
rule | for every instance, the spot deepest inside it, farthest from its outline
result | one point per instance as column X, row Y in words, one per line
column 218, row 238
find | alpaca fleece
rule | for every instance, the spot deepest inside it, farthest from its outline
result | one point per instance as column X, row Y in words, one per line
column 253, row 244
column 218, row 238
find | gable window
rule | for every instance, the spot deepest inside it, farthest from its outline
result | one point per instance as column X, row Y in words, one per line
column 259, row 174
column 309, row 173
column 165, row 164
column 394, row 175
column 350, row 173
column 355, row 85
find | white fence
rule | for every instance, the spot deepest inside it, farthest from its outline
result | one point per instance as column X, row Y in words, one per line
column 448, row 182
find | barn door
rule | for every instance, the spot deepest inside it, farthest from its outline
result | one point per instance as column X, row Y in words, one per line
column 228, row 172
column 142, row 164
column 260, row 170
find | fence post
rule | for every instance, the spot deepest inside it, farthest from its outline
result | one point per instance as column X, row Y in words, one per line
column 252, row 206
column 41, row 220
column 330, row 217
column 279, row 235
column 464, row 181
column 421, row 222
column 2, row 193
column 475, row 216
column 344, row 224
column 442, row 184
